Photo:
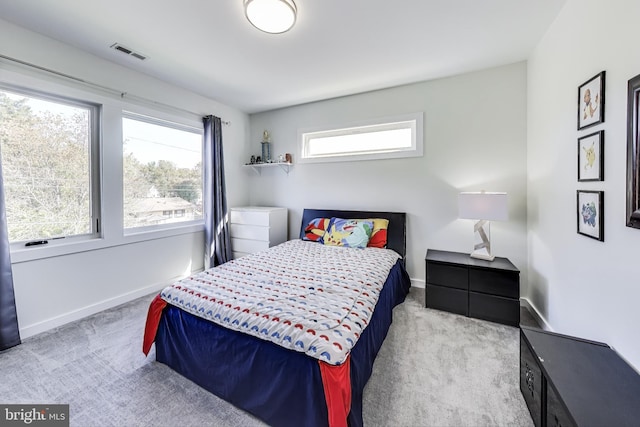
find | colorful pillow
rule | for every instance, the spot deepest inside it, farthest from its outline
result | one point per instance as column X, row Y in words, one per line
column 379, row 233
column 351, row 233
column 314, row 231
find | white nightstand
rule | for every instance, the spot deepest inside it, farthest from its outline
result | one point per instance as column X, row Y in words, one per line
column 256, row 228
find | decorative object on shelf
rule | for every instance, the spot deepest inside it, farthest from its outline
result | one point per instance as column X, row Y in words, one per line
column 484, row 207
column 252, row 160
column 271, row 16
column 591, row 157
column 591, row 101
column 287, row 157
column 590, row 212
column 266, row 147
column 258, row 159
column 633, row 153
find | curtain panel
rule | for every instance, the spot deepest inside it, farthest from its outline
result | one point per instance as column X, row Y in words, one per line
column 217, row 240
column 9, row 332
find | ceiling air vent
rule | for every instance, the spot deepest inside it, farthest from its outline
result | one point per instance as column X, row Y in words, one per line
column 127, row 51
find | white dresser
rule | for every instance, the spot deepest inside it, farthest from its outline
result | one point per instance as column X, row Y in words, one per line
column 256, row 228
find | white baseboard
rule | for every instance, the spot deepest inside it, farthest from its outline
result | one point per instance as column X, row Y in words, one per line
column 63, row 319
column 418, row 283
column 524, row 302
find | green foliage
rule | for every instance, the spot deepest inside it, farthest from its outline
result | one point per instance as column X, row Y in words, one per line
column 47, row 177
column 45, row 170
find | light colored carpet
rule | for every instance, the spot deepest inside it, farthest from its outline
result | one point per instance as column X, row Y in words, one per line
column 434, row 369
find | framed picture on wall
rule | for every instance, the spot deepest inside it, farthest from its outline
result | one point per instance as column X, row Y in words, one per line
column 591, row 157
column 633, row 152
column 590, row 210
column 591, row 101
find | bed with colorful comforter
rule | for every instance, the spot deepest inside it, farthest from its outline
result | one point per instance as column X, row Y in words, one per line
column 288, row 334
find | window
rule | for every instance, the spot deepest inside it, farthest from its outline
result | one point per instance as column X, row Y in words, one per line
column 380, row 139
column 49, row 147
column 162, row 172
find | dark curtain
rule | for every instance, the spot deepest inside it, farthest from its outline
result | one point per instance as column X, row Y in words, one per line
column 9, row 333
column 216, row 223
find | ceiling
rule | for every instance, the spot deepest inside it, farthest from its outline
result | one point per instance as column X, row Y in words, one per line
column 336, row 48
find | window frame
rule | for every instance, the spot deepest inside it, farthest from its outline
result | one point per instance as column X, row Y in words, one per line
column 159, row 119
column 112, row 105
column 94, row 152
column 414, row 122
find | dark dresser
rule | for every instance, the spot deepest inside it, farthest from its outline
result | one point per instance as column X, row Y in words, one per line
column 488, row 290
column 567, row 381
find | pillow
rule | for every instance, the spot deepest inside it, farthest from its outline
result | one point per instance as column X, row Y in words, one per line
column 314, row 231
column 350, row 233
column 379, row 233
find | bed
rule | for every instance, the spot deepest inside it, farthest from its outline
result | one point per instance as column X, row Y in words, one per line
column 313, row 371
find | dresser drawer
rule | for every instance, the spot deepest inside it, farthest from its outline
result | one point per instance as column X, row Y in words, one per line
column 494, row 308
column 494, row 282
column 237, row 255
column 531, row 382
column 448, row 299
column 250, row 217
column 254, row 232
column 450, row 276
column 557, row 416
column 248, row 246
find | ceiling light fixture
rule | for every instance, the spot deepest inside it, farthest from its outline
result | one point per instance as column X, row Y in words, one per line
column 271, row 16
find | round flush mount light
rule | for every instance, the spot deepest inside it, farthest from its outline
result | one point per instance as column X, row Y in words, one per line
column 271, row 16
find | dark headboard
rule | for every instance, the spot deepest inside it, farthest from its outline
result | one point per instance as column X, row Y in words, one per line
column 396, row 232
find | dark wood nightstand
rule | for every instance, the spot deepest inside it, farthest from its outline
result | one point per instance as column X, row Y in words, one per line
column 488, row 290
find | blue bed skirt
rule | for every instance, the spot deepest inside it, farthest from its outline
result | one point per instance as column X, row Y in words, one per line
column 277, row 385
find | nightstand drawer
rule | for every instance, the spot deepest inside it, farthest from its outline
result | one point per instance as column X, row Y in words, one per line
column 448, row 299
column 450, row 276
column 495, row 282
column 494, row 308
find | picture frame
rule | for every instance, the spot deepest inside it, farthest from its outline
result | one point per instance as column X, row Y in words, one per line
column 633, row 153
column 591, row 157
column 591, row 101
column 590, row 213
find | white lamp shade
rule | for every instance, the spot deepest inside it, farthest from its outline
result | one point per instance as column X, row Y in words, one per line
column 487, row 206
column 271, row 16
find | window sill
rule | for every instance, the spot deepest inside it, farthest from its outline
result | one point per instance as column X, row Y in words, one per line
column 61, row 247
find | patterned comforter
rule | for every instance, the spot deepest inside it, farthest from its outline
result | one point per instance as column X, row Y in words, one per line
column 300, row 295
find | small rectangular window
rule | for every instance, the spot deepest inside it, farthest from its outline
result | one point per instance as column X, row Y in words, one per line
column 49, row 147
column 379, row 139
column 162, row 166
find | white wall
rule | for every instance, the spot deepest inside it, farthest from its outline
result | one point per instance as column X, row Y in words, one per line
column 474, row 139
column 55, row 290
column 582, row 286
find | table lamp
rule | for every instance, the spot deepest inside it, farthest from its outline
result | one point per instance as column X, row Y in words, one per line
column 484, row 207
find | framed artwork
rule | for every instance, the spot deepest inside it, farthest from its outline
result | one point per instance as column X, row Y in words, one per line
column 633, row 153
column 591, row 157
column 590, row 210
column 591, row 101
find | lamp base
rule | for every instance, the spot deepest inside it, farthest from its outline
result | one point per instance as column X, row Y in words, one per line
column 482, row 246
column 482, row 256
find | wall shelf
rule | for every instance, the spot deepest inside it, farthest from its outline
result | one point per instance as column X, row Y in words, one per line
column 286, row 167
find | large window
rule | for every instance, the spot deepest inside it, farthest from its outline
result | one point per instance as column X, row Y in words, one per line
column 162, row 173
column 377, row 139
column 49, row 147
